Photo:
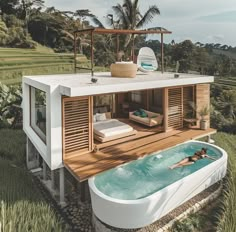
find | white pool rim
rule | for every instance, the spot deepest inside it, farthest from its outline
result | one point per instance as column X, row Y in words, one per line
column 138, row 213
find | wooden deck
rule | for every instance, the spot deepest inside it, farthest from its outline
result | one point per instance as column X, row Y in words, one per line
column 84, row 166
column 142, row 131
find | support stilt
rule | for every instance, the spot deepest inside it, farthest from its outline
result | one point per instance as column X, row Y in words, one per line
column 52, row 180
column 83, row 191
column 44, row 171
column 62, row 186
column 210, row 140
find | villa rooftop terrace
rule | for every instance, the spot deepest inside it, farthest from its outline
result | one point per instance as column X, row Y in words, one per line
column 80, row 84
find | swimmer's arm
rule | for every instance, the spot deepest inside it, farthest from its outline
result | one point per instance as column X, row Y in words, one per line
column 207, row 156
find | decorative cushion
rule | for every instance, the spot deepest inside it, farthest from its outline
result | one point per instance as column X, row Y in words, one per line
column 143, row 115
column 101, row 117
column 108, row 115
column 136, row 113
column 146, row 64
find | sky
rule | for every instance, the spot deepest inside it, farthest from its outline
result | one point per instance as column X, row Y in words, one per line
column 205, row 21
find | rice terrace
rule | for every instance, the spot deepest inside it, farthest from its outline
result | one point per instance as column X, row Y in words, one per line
column 117, row 116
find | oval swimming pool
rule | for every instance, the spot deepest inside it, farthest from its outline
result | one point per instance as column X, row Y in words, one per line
column 138, row 193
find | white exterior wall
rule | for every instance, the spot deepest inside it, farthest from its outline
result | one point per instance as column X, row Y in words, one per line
column 55, row 147
column 51, row 152
column 80, row 85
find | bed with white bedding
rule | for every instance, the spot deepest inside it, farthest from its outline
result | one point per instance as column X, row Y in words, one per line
column 111, row 129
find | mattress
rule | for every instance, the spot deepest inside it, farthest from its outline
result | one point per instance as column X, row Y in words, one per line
column 111, row 127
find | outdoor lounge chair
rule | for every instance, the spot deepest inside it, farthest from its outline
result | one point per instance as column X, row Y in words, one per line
column 146, row 60
column 151, row 119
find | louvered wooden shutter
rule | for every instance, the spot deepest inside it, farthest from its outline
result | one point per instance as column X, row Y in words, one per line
column 175, row 108
column 77, row 125
column 203, row 97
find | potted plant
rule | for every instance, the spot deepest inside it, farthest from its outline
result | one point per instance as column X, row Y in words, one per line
column 203, row 112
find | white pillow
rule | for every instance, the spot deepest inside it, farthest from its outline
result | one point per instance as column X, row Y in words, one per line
column 100, row 117
column 94, row 118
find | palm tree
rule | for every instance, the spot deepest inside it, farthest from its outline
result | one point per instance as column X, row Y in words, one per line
column 3, row 32
column 85, row 13
column 27, row 8
column 83, row 42
column 130, row 17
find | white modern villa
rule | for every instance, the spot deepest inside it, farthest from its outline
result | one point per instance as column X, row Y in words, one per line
column 89, row 127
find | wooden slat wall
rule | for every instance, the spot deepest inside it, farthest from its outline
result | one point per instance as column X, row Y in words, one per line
column 120, row 98
column 77, row 125
column 188, row 96
column 175, row 108
column 203, row 97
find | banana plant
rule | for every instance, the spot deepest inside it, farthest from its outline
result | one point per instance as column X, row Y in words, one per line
column 10, row 106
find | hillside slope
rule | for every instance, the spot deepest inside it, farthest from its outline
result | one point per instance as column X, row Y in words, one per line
column 16, row 62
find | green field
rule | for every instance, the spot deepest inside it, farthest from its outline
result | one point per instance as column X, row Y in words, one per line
column 227, row 218
column 22, row 206
column 226, row 81
column 16, row 62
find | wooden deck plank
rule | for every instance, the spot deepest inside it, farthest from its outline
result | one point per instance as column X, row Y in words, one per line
column 93, row 163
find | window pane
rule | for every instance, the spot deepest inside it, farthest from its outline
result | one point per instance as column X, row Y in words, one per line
column 136, row 96
column 38, row 112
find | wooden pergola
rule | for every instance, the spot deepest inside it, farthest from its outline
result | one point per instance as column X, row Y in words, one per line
column 117, row 32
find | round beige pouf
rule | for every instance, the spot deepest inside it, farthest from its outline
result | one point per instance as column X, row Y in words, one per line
column 123, row 69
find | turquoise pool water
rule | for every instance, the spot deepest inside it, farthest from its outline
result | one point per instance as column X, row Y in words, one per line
column 143, row 177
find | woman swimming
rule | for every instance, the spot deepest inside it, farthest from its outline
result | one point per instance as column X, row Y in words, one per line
column 192, row 159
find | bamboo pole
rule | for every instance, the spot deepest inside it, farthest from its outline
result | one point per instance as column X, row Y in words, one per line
column 75, row 52
column 162, row 53
column 92, row 54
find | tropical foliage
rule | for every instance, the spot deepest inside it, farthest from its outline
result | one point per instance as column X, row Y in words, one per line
column 223, row 100
column 10, row 106
column 12, row 33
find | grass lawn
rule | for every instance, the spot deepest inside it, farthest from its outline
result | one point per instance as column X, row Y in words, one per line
column 227, row 218
column 22, row 207
column 220, row 215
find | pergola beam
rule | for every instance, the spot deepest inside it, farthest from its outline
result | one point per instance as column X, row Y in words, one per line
column 123, row 31
column 93, row 31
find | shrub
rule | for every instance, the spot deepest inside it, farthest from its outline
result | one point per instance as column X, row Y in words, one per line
column 10, row 109
column 193, row 223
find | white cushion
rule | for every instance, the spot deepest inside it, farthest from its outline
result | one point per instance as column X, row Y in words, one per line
column 94, row 118
column 111, row 127
column 100, row 117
